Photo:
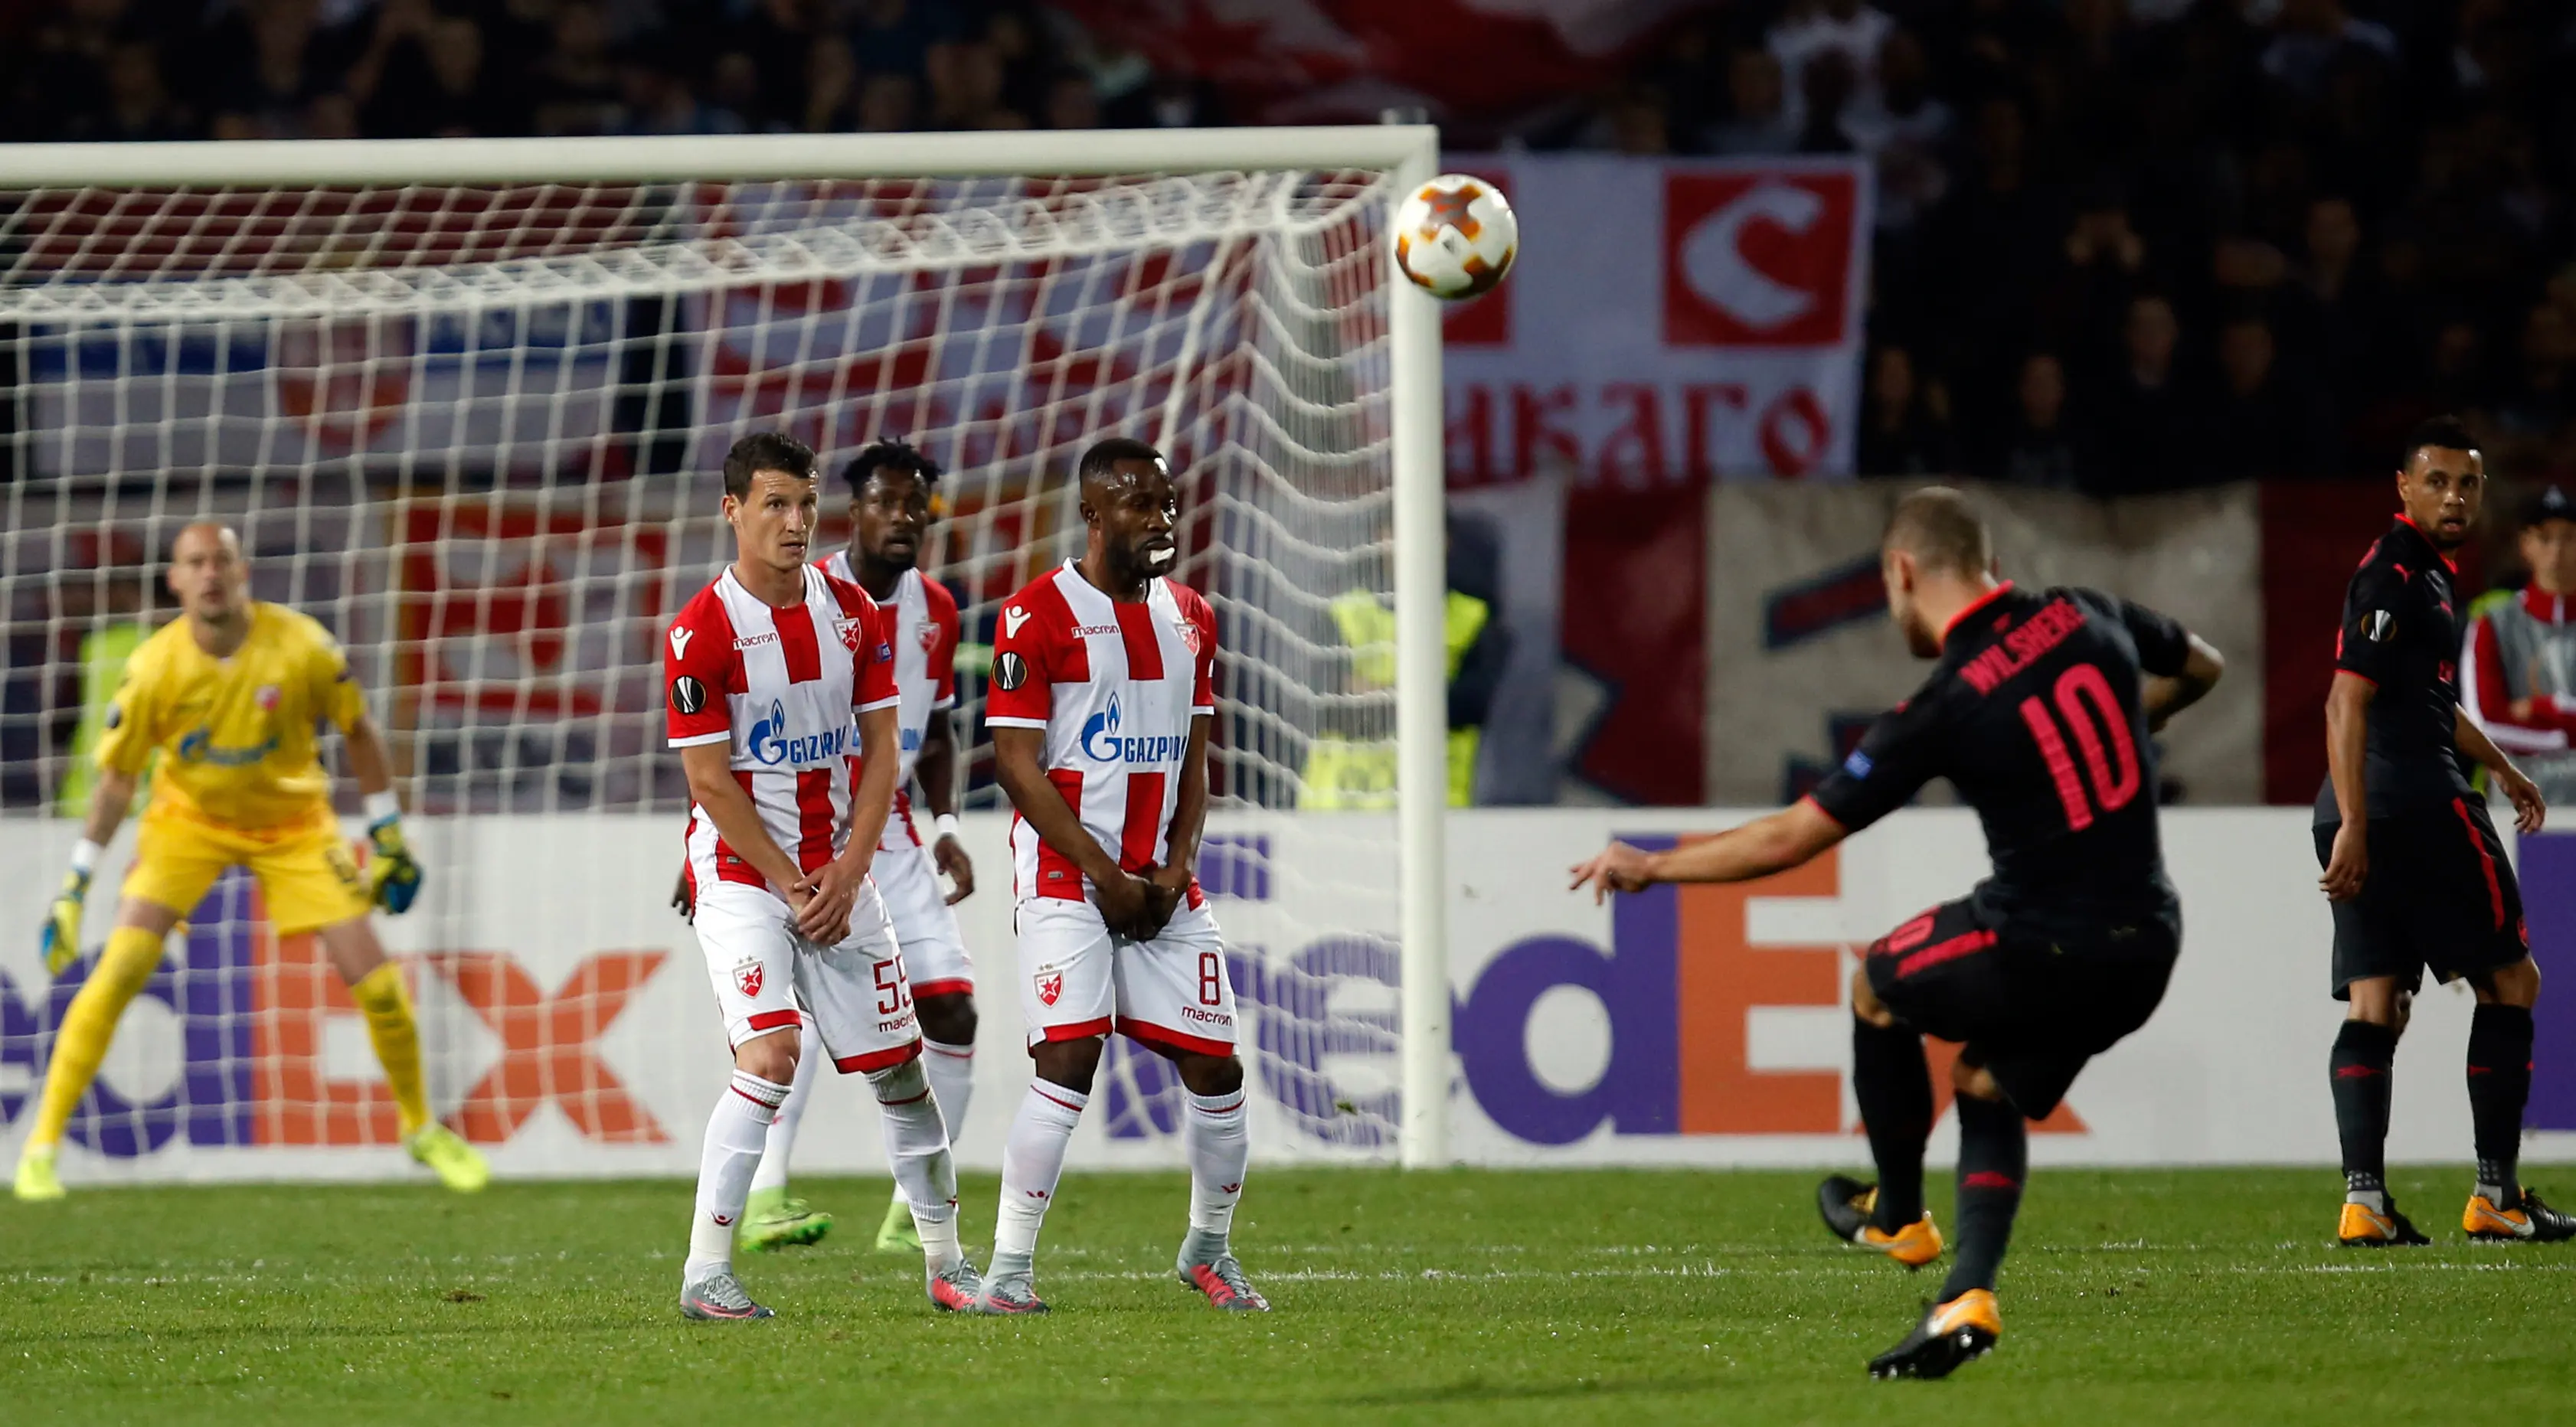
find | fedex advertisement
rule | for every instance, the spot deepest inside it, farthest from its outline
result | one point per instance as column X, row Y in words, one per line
column 244, row 1056
column 568, row 1027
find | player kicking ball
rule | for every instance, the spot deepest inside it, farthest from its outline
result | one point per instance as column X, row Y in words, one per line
column 231, row 694
column 772, row 669
column 890, row 494
column 2039, row 712
column 1103, row 688
column 2412, row 864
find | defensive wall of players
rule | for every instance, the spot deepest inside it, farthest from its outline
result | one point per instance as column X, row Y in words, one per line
column 560, row 1005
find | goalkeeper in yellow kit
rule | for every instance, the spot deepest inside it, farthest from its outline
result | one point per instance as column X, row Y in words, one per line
column 231, row 694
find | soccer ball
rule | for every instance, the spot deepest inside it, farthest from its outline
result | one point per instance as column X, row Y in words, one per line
column 1455, row 237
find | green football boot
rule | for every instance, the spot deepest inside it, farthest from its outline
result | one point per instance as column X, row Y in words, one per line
column 772, row 1221
column 897, row 1235
column 458, row 1165
column 36, row 1180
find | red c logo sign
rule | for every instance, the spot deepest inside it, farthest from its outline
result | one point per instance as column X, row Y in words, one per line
column 1757, row 259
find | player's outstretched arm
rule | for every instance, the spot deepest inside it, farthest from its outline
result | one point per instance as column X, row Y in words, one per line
column 2202, row 667
column 710, row 770
column 2529, row 808
column 1774, row 843
column 826, row 919
column 2347, row 745
column 109, row 798
column 937, row 769
column 1017, row 767
column 393, row 874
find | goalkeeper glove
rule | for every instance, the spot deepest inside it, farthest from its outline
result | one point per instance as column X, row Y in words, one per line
column 61, row 940
column 393, row 874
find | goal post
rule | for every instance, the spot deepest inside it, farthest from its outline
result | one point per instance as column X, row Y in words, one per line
column 1224, row 292
column 1421, row 694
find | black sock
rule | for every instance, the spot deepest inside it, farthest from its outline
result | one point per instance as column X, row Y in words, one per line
column 1894, row 1086
column 2499, row 1083
column 1994, row 1159
column 2363, row 1053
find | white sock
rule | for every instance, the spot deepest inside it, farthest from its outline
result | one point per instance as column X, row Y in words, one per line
column 1220, row 1148
column 782, row 1130
column 951, row 1069
column 925, row 1174
column 1032, row 1162
column 952, row 1083
column 735, row 1134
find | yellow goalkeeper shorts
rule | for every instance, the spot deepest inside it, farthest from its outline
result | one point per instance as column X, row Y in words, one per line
column 304, row 868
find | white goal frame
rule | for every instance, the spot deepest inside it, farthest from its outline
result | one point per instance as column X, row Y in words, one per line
column 1409, row 154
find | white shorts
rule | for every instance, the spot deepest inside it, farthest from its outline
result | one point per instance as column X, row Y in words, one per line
column 1077, row 980
column 934, row 954
column 853, row 995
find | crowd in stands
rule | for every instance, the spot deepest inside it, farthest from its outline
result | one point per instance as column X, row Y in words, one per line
column 2130, row 245
column 2121, row 245
column 236, row 69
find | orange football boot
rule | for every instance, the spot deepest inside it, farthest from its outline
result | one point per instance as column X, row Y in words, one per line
column 1847, row 1206
column 2360, row 1228
column 2528, row 1222
column 1960, row 1331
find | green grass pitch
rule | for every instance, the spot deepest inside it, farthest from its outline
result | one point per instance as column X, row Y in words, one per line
column 2206, row 1297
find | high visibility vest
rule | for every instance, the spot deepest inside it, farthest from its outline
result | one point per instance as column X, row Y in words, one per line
column 1359, row 774
column 103, row 656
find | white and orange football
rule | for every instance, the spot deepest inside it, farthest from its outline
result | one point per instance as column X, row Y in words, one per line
column 1455, row 237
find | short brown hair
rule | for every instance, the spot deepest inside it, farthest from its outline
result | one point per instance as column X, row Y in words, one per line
column 765, row 451
column 1938, row 527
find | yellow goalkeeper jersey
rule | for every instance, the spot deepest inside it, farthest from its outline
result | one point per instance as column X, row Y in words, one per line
column 238, row 735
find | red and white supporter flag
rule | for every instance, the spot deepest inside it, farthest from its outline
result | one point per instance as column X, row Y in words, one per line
column 1667, row 322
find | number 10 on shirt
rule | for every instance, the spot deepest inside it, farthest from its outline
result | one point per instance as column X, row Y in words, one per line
column 2086, row 708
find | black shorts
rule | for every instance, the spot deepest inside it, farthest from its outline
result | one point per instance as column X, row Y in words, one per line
column 2031, row 1012
column 2440, row 894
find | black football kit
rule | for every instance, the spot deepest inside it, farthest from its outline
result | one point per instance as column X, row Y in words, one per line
column 2035, row 714
column 2440, row 893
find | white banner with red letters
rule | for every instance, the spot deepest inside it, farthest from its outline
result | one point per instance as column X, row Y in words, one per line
column 1667, row 321
column 1801, row 655
column 569, row 1029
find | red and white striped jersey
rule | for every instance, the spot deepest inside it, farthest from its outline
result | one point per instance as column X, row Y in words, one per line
column 782, row 685
column 922, row 627
column 1115, row 686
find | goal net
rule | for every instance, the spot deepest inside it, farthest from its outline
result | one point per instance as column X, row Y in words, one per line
column 473, row 425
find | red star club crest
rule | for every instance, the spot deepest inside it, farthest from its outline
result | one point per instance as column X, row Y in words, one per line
column 1189, row 633
column 266, row 698
column 929, row 637
column 1050, row 986
column 748, row 978
column 850, row 635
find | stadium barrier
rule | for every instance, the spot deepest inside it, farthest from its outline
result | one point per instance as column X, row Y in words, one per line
column 569, row 1031
column 1801, row 657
